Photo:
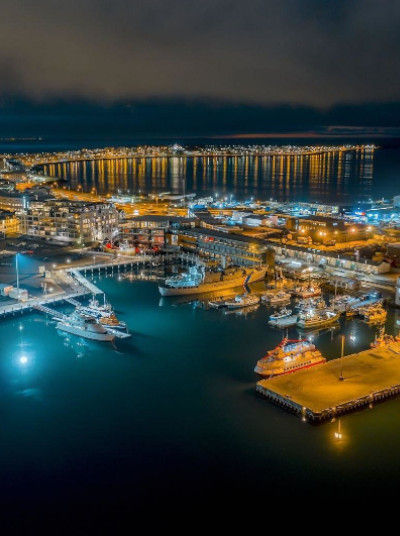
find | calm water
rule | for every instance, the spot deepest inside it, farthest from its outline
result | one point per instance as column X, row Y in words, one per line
column 169, row 420
column 340, row 177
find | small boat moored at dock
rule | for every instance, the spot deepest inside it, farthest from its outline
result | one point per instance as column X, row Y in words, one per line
column 85, row 326
column 244, row 300
column 289, row 356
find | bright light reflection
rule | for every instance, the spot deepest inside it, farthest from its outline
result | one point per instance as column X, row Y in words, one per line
column 23, row 360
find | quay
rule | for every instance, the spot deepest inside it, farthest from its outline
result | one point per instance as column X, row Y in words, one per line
column 317, row 394
column 74, row 284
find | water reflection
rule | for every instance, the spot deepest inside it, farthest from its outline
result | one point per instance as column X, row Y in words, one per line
column 323, row 177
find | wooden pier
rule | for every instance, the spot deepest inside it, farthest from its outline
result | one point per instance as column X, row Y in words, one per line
column 318, row 393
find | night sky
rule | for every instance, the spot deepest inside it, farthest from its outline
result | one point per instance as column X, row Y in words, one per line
column 259, row 66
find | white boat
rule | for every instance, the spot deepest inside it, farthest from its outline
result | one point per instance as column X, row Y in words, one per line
column 244, row 300
column 283, row 318
column 103, row 313
column 196, row 281
column 85, row 326
column 282, row 313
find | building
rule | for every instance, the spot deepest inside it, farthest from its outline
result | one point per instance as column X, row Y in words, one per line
column 18, row 201
column 328, row 230
column 148, row 232
column 9, row 224
column 71, row 221
column 227, row 248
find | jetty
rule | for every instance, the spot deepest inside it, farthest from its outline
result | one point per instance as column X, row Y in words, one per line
column 338, row 386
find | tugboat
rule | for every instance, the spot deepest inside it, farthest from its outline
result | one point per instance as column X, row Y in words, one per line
column 85, row 326
column 289, row 356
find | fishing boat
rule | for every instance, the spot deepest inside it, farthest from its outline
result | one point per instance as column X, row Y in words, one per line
column 375, row 314
column 289, row 356
column 242, row 300
column 312, row 319
column 308, row 291
column 284, row 318
column 278, row 298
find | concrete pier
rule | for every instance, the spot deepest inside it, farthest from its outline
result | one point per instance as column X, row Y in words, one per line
column 318, row 394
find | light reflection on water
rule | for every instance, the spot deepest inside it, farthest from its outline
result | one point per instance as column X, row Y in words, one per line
column 321, row 177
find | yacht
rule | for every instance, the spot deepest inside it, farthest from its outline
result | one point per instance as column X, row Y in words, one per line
column 85, row 326
column 289, row 356
column 244, row 300
column 103, row 313
column 197, row 281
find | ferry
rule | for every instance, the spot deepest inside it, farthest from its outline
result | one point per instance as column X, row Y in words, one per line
column 85, row 326
column 195, row 281
column 289, row 356
column 316, row 319
column 244, row 300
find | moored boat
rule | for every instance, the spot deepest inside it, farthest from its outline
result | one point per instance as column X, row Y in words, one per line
column 196, row 281
column 289, row 356
column 85, row 326
column 244, row 300
column 316, row 319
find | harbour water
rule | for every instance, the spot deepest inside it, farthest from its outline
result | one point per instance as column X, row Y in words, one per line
column 327, row 178
column 169, row 418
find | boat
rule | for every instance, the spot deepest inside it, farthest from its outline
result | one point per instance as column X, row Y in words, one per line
column 242, row 300
column 280, row 297
column 308, row 291
column 316, row 319
column 196, row 281
column 103, row 313
column 289, row 356
column 342, row 303
column 283, row 318
column 85, row 326
column 375, row 314
column 310, row 303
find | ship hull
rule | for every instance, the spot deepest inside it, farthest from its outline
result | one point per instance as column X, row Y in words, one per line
column 270, row 374
column 104, row 337
column 250, row 277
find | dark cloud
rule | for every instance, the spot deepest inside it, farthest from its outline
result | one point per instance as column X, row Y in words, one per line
column 312, row 52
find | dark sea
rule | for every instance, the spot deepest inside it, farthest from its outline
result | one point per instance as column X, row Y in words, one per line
column 166, row 428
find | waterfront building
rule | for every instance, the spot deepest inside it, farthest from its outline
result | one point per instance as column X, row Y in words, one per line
column 148, row 232
column 328, row 230
column 227, row 248
column 9, row 224
column 71, row 221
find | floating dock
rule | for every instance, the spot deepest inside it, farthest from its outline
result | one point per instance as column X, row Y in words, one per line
column 318, row 394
